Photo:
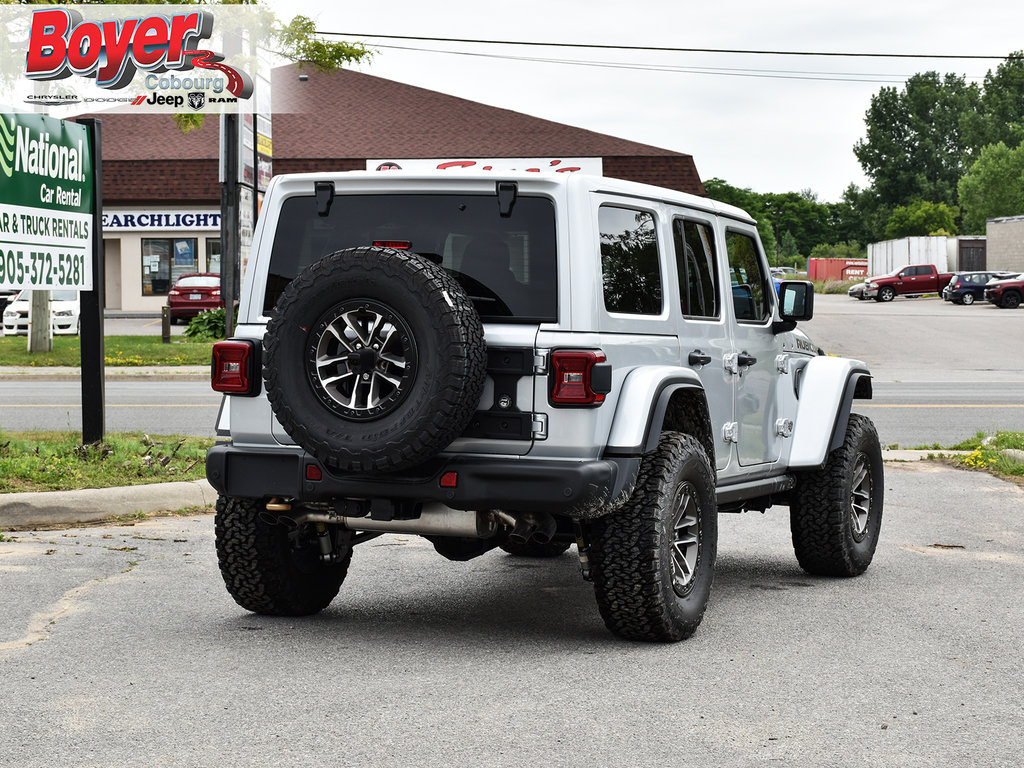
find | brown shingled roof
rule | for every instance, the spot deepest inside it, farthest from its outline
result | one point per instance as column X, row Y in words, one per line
column 407, row 121
column 337, row 120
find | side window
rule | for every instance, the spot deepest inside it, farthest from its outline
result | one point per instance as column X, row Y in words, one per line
column 629, row 261
column 697, row 268
column 749, row 286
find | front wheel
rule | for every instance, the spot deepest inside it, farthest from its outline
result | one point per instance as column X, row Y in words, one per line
column 1011, row 300
column 274, row 569
column 653, row 560
column 886, row 294
column 835, row 513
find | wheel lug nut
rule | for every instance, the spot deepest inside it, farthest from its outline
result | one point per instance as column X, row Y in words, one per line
column 366, row 377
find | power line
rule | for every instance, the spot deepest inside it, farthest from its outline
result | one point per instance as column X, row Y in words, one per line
column 849, row 54
column 778, row 74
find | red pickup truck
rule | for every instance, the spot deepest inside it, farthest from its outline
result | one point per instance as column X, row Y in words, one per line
column 914, row 280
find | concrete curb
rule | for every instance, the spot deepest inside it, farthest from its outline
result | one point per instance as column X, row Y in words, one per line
column 119, row 373
column 89, row 505
column 902, row 455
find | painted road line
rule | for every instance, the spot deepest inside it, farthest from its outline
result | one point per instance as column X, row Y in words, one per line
column 957, row 405
column 112, row 405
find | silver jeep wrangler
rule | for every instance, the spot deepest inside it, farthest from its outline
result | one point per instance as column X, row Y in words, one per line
column 526, row 361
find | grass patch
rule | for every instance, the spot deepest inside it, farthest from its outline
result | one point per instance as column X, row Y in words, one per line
column 986, row 454
column 57, row 461
column 118, row 350
column 834, row 286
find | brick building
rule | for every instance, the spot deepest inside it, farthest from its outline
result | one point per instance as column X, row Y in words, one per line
column 162, row 196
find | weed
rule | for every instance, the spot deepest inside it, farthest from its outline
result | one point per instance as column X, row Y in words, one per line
column 58, row 461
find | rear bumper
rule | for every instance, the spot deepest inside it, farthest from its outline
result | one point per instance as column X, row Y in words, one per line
column 583, row 489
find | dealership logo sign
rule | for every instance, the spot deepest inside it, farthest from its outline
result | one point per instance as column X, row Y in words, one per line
column 61, row 44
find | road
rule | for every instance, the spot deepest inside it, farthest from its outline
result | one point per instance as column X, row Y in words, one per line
column 156, row 407
column 941, row 373
column 120, row 646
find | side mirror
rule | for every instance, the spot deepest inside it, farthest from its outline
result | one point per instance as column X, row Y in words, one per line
column 796, row 304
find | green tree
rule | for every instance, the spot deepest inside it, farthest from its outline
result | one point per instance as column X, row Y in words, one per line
column 1002, row 105
column 751, row 202
column 994, row 186
column 843, row 250
column 789, row 253
column 918, row 141
column 921, row 218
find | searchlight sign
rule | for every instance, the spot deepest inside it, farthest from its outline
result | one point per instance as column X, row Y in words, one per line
column 46, row 203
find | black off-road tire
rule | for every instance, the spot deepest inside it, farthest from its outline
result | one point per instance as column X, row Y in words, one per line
column 436, row 335
column 835, row 513
column 1011, row 300
column 886, row 293
column 531, row 548
column 271, row 569
column 634, row 552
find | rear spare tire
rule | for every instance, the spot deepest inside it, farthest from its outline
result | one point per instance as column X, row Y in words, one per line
column 374, row 360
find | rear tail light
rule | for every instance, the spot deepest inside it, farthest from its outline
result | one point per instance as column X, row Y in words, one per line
column 578, row 378
column 172, row 292
column 235, row 370
column 215, row 292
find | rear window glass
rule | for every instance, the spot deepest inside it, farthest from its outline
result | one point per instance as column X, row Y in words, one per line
column 199, row 282
column 505, row 264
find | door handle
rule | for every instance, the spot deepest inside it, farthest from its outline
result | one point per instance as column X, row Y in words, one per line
column 697, row 357
column 746, row 360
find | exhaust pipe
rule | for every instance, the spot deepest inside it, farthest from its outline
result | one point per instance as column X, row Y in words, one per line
column 434, row 520
column 535, row 526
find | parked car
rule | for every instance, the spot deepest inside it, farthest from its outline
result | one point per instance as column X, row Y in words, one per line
column 912, row 280
column 64, row 313
column 1007, row 294
column 856, row 291
column 966, row 287
column 194, row 293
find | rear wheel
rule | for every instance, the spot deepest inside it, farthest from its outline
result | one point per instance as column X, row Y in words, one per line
column 653, row 560
column 968, row 298
column 272, row 569
column 835, row 513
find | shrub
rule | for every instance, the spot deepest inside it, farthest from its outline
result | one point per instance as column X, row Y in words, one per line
column 207, row 325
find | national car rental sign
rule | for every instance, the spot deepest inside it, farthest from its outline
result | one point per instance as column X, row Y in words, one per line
column 46, row 203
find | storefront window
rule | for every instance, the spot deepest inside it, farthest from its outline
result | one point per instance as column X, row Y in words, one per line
column 213, row 255
column 164, row 260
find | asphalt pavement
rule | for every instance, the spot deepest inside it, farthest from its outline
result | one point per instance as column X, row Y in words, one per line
column 120, row 646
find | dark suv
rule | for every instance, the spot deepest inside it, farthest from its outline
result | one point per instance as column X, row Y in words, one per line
column 1008, row 293
column 966, row 287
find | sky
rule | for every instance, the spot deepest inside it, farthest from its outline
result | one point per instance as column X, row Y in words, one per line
column 791, row 127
